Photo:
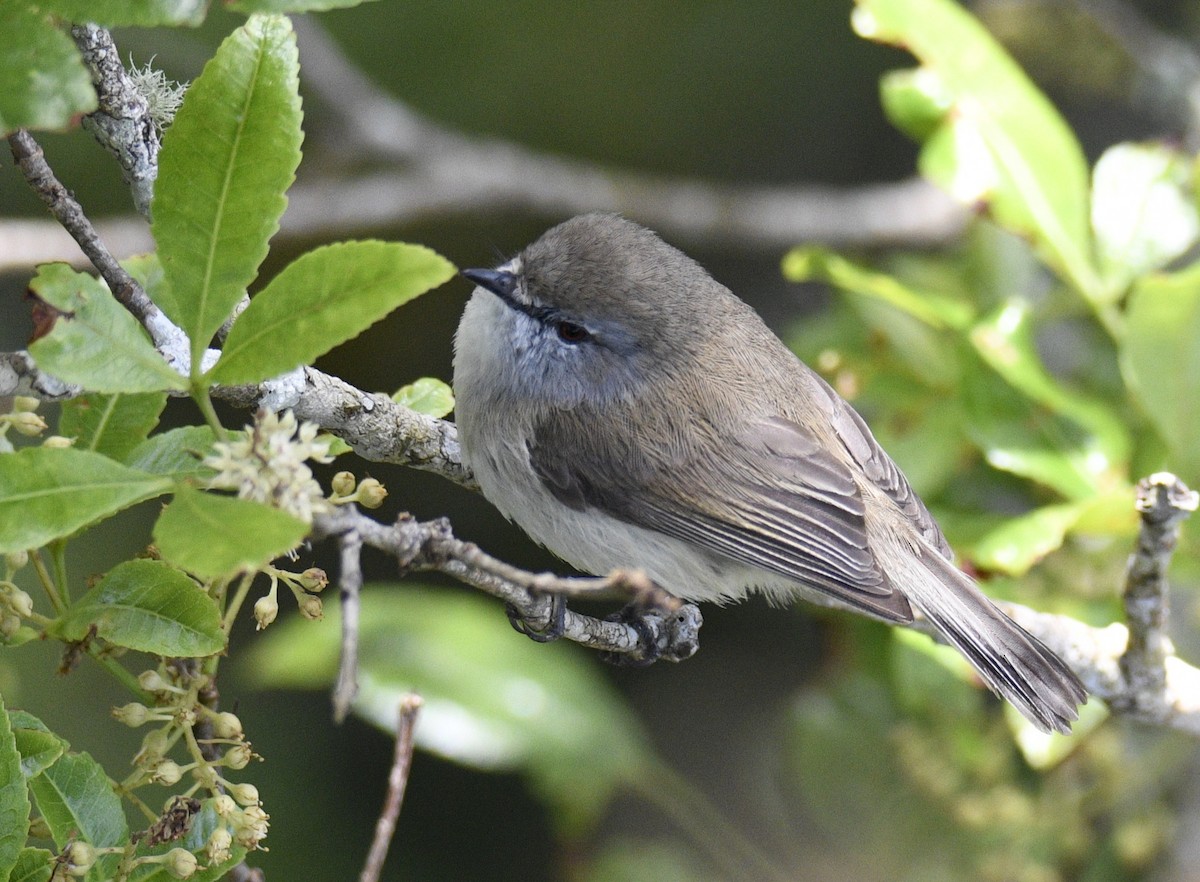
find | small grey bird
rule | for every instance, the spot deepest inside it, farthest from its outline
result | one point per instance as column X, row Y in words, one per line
column 627, row 410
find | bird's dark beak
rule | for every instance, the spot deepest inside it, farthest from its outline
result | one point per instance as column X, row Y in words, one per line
column 500, row 282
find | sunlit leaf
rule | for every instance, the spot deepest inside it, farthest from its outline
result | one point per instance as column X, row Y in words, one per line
column 111, row 424
column 427, row 395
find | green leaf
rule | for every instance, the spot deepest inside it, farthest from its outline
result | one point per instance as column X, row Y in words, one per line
column 427, row 395
column 1005, row 341
column 148, row 606
column 292, row 6
column 226, row 162
column 124, row 13
column 322, row 299
column 38, row 746
column 33, row 865
column 14, row 798
column 1143, row 213
column 492, row 699
column 1160, row 359
column 1020, row 542
column 811, row 263
column 47, row 493
column 77, row 801
column 211, row 535
column 1001, row 142
column 96, row 344
column 111, row 424
column 43, row 83
column 915, row 100
column 175, row 453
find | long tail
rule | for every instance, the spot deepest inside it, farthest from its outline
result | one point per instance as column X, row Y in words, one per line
column 1014, row 663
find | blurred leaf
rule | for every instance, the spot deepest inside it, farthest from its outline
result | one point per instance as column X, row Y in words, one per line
column 175, row 453
column 1022, row 541
column 46, row 493
column 1160, row 358
column 226, row 162
column 43, row 83
column 1001, row 142
column 493, row 699
column 33, row 865
column 915, row 100
column 96, row 343
column 322, row 299
column 210, row 535
column 148, row 606
column 1045, row 750
column 195, row 840
column 38, row 746
column 427, row 395
column 111, row 424
column 123, row 13
column 1143, row 212
column 292, row 6
column 14, row 797
column 631, row 860
column 819, row 264
column 1005, row 341
column 77, row 801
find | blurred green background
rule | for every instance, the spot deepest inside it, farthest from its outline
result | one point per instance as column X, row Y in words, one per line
column 789, row 722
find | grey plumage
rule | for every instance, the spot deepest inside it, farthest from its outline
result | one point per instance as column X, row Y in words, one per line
column 627, row 410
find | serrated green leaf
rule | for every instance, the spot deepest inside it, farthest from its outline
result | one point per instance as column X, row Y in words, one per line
column 428, row 395
column 148, row 606
column 176, row 453
column 111, row 424
column 76, row 800
column 322, row 299
column 126, row 13
column 46, row 493
column 96, row 344
column 226, row 163
column 33, row 865
column 1160, row 359
column 43, row 83
column 491, row 701
column 292, row 6
column 1001, row 141
column 211, row 535
column 14, row 798
column 38, row 746
column 1143, row 212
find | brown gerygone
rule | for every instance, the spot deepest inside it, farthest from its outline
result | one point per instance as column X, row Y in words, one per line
column 627, row 410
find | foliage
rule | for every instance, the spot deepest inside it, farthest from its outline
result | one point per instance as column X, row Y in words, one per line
column 1023, row 455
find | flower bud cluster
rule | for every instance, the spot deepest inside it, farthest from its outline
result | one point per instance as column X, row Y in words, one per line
column 368, row 492
column 304, row 587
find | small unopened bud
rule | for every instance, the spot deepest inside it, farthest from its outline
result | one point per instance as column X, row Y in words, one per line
column 132, row 715
column 181, row 863
column 20, row 602
column 371, row 493
column 27, row 423
column 58, row 442
column 266, row 608
column 24, row 404
column 218, row 845
column 10, row 624
column 80, row 857
column 16, row 560
column 224, row 806
column 342, row 484
column 314, row 579
column 154, row 747
column 227, row 725
column 39, row 829
column 152, row 681
column 238, row 756
column 167, row 773
column 245, row 794
column 311, row 608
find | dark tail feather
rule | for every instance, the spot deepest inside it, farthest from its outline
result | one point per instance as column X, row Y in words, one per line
column 1014, row 663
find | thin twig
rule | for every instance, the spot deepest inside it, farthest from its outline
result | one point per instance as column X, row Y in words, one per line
column 350, row 583
column 397, row 782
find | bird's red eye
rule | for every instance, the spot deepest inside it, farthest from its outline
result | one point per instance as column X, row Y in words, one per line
column 569, row 332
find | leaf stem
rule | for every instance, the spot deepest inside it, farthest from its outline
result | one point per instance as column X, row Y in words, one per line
column 47, row 582
column 235, row 603
column 200, row 394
